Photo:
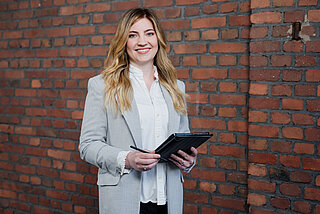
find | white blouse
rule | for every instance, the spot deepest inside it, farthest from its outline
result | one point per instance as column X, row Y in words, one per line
column 153, row 114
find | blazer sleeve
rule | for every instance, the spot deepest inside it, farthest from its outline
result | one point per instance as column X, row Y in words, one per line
column 93, row 146
column 184, row 122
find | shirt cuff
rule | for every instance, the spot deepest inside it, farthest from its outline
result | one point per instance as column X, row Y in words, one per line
column 187, row 170
column 121, row 159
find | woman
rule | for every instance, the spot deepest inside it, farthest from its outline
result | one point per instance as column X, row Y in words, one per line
column 136, row 101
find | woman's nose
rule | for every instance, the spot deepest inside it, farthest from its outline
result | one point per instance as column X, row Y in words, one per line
column 142, row 40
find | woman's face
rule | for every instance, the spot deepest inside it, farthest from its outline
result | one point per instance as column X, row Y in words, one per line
column 142, row 44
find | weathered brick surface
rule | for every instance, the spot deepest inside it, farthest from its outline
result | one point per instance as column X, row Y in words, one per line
column 290, row 160
column 250, row 84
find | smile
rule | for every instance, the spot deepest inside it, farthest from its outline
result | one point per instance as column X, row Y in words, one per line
column 143, row 51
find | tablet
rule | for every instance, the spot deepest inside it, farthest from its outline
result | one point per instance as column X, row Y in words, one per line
column 181, row 141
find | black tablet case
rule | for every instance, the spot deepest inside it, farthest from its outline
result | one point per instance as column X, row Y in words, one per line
column 181, row 141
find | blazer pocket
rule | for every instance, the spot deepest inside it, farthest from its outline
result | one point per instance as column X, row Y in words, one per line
column 105, row 178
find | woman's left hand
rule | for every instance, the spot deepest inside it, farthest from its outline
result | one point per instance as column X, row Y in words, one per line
column 184, row 160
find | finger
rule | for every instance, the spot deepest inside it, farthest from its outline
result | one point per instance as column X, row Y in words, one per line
column 184, row 155
column 194, row 151
column 148, row 155
column 179, row 164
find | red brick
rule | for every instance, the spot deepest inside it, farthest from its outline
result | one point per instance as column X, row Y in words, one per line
column 307, row 2
column 313, row 105
column 228, row 99
column 228, row 203
column 208, row 187
column 240, row 20
column 294, row 16
column 207, row 210
column 177, row 24
column 259, row 4
column 210, row 35
column 281, row 90
column 210, row 9
column 293, row 46
column 174, row 36
column 314, row 15
column 280, row 203
column 266, row 17
column 227, row 60
column 147, row 3
column 312, row 194
column 257, row 170
column 313, row 75
column 208, row 60
column 292, row 104
column 70, row 10
column 192, row 11
column 313, row 46
column 228, row 47
column 302, row 207
column 208, row 162
column 280, row 60
column 208, row 22
column 311, row 164
column 195, row 197
column 303, row 148
column 312, row 134
column 261, row 186
column 209, row 86
column 301, row 177
column 207, row 73
column 262, row 158
column 208, row 174
column 257, row 116
column 280, row 118
column 227, row 151
column 198, row 98
column 304, row 90
column 258, row 32
column 302, row 119
column 318, row 180
column 290, row 189
column 208, row 123
column 229, row 34
column 239, row 126
column 264, row 103
column 265, row 46
column 8, row 194
column 305, row 61
column 292, row 132
column 227, row 112
column 280, row 146
column 258, row 61
column 99, row 7
column 256, row 199
column 189, row 48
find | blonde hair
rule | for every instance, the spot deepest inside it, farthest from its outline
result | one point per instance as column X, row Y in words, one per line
column 118, row 89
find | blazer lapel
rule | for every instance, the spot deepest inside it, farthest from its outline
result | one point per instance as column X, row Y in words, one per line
column 133, row 121
column 173, row 125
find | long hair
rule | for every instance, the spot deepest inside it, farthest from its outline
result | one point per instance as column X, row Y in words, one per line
column 118, row 89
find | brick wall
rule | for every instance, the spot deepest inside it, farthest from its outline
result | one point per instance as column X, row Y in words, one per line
column 251, row 73
column 284, row 134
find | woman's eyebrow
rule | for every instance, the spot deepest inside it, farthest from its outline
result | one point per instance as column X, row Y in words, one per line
column 133, row 31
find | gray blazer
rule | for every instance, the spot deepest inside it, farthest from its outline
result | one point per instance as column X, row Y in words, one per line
column 104, row 134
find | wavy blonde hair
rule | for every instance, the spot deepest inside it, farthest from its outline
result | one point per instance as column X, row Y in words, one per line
column 118, row 89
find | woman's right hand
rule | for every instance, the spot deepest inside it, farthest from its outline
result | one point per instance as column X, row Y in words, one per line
column 142, row 161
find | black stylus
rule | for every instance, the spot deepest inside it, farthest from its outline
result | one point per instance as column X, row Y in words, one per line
column 141, row 150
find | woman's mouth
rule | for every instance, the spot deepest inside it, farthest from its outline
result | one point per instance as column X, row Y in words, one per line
column 143, row 51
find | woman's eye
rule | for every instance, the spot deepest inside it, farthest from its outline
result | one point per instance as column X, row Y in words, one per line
column 132, row 35
column 150, row 33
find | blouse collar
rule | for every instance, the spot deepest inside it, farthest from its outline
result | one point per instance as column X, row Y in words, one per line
column 137, row 73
